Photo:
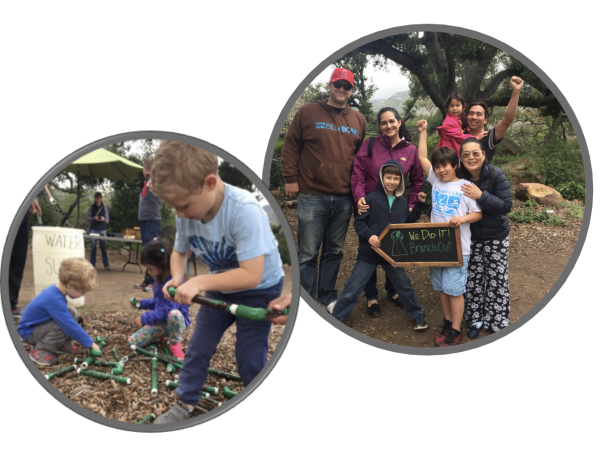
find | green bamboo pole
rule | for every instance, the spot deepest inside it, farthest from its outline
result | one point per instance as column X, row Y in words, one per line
column 154, row 391
column 209, row 389
column 228, row 393
column 115, row 354
column 210, row 400
column 227, row 376
column 149, row 417
column 62, row 371
column 104, row 376
column 172, row 368
column 127, row 358
column 153, row 355
column 116, row 368
column 245, row 312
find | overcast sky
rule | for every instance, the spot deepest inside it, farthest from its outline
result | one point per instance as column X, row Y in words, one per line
column 388, row 83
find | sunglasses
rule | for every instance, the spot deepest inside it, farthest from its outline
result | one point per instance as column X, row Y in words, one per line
column 338, row 84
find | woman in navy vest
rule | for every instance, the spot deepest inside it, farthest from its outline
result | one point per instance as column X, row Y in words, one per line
column 98, row 216
column 487, row 299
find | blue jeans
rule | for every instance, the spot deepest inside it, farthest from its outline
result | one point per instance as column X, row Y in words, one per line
column 361, row 273
column 371, row 287
column 322, row 222
column 149, row 229
column 251, row 346
column 102, row 249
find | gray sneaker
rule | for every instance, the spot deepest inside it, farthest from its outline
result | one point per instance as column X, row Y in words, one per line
column 177, row 413
column 17, row 312
column 420, row 321
column 43, row 358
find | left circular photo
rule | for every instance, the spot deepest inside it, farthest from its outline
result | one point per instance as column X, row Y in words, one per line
column 150, row 281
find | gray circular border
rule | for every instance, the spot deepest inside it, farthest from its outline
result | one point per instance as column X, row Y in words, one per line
column 584, row 152
column 8, row 251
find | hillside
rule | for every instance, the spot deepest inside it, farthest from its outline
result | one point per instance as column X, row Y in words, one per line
column 396, row 101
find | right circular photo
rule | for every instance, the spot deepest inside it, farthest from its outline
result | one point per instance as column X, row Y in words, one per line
column 438, row 186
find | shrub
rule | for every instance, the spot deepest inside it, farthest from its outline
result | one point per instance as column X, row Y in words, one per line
column 572, row 191
column 572, row 209
column 284, row 251
column 529, row 215
column 276, row 179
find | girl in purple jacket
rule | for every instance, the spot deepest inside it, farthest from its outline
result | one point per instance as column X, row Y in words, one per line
column 393, row 142
column 166, row 320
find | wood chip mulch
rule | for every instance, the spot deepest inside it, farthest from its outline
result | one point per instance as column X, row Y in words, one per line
column 131, row 403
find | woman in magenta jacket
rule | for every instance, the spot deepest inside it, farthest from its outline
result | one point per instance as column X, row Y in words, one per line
column 393, row 142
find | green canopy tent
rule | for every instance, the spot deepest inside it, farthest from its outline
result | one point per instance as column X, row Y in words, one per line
column 102, row 164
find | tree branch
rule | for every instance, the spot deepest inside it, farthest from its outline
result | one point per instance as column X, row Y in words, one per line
column 386, row 50
column 492, row 86
column 409, row 108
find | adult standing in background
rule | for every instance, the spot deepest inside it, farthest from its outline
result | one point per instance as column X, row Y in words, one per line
column 18, row 257
column 317, row 158
column 393, row 142
column 149, row 217
column 478, row 116
column 98, row 217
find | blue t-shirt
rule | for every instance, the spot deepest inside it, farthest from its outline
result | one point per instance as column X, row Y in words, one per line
column 239, row 231
column 51, row 304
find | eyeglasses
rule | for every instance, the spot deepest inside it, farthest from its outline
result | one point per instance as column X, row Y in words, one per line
column 338, row 84
column 468, row 155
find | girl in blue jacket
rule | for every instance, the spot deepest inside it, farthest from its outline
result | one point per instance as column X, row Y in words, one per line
column 165, row 320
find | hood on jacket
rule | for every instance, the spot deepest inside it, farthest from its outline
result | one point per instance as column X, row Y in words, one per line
column 399, row 191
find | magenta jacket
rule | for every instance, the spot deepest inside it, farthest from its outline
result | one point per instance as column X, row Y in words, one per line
column 451, row 134
column 365, row 174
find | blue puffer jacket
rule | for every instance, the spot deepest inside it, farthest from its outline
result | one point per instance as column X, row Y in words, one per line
column 495, row 204
column 380, row 215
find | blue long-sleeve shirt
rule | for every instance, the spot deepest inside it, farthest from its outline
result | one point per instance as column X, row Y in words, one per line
column 160, row 307
column 51, row 304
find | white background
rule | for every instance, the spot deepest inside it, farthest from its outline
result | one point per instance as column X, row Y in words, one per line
column 73, row 74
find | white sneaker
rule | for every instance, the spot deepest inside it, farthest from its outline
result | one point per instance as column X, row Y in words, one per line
column 330, row 306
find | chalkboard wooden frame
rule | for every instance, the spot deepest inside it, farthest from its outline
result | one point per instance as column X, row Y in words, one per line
column 420, row 226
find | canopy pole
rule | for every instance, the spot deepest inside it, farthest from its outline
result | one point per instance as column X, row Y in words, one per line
column 78, row 196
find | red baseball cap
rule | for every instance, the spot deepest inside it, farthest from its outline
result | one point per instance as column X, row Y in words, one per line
column 339, row 73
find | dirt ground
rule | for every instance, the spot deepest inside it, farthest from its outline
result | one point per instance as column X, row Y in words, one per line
column 538, row 255
column 107, row 314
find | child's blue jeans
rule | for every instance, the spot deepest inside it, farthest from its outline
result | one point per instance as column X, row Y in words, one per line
column 252, row 341
column 361, row 273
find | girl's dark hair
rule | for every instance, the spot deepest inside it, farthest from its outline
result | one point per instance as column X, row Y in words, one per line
column 391, row 170
column 98, row 194
column 464, row 173
column 402, row 130
column 157, row 253
column 442, row 155
column 460, row 98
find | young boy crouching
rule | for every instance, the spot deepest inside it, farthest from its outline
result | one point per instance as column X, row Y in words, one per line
column 230, row 232
column 49, row 324
column 387, row 206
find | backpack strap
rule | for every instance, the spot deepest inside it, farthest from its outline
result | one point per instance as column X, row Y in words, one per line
column 370, row 148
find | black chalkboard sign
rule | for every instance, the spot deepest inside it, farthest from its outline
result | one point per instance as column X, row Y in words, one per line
column 421, row 245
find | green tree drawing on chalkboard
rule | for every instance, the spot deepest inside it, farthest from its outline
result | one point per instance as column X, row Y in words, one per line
column 398, row 247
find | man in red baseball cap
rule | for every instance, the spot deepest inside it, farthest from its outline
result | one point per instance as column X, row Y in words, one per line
column 317, row 158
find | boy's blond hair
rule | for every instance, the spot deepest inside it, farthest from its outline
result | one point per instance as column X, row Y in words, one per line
column 180, row 169
column 79, row 273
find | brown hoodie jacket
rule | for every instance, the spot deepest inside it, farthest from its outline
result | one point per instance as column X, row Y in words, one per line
column 319, row 148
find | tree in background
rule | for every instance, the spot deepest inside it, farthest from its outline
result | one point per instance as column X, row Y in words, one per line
column 231, row 175
column 444, row 63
